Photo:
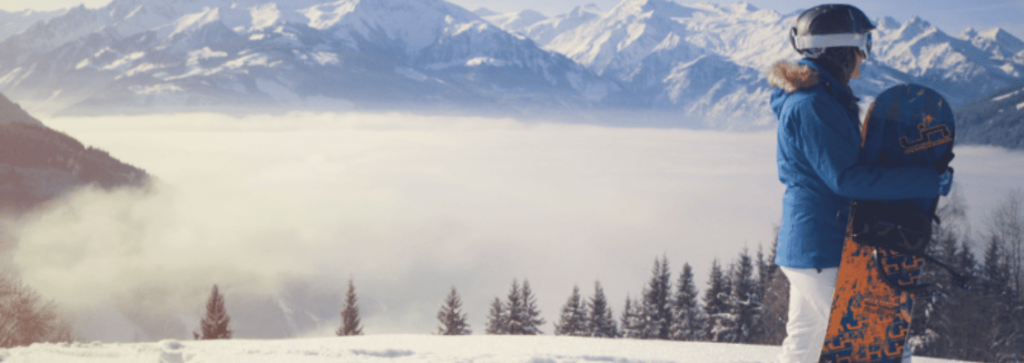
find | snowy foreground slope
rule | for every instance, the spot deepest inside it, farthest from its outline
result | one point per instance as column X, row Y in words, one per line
column 402, row 348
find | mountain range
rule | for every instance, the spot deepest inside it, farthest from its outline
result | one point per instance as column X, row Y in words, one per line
column 673, row 64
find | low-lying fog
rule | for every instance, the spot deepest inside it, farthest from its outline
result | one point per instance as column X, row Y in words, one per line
column 281, row 211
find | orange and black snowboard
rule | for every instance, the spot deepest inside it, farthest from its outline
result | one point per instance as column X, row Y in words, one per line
column 874, row 297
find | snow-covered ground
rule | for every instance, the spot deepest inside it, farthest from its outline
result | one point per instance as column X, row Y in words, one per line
column 402, row 348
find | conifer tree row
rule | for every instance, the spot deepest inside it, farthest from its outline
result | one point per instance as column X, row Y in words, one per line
column 746, row 300
column 519, row 315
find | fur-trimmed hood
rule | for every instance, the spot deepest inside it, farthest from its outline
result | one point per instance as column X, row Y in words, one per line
column 792, row 77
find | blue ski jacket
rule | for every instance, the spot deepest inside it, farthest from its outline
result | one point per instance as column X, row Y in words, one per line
column 819, row 141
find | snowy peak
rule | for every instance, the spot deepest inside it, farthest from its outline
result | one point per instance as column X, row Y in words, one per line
column 631, row 31
column 743, row 7
column 191, row 22
column 15, row 22
column 651, row 8
column 47, row 35
column 913, row 29
column 887, row 23
column 986, row 61
column 516, row 21
column 542, row 32
column 416, row 23
column 996, row 41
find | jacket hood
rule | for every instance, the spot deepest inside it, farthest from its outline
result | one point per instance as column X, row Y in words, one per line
column 792, row 77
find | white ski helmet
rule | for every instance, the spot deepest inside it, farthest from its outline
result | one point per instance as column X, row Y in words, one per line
column 829, row 26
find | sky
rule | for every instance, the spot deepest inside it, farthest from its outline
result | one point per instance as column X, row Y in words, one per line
column 952, row 16
column 406, row 206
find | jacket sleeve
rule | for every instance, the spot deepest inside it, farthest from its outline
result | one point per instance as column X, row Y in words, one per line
column 832, row 142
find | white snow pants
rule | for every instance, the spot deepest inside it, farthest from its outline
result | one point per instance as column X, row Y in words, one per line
column 810, row 304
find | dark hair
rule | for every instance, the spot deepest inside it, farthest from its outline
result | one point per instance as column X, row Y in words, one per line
column 843, row 60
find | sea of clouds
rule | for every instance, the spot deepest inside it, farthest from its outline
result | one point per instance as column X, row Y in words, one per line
column 281, row 211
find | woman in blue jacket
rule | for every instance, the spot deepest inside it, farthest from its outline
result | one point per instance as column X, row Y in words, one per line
column 818, row 144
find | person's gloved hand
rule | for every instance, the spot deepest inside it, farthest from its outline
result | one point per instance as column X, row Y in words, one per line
column 945, row 182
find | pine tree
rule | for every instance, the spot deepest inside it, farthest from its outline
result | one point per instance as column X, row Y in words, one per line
column 686, row 312
column 350, row 314
column 656, row 305
column 632, row 319
column 573, row 321
column 967, row 334
column 744, row 301
column 764, row 270
column 762, row 327
column 497, row 319
column 1006, row 328
column 515, row 309
column 716, row 305
column 215, row 324
column 996, row 278
column 933, row 313
column 453, row 321
column 775, row 308
column 1006, row 223
column 601, row 322
column 966, row 262
column 531, row 320
column 1006, row 229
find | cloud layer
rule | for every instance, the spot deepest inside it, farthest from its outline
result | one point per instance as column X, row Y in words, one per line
column 282, row 211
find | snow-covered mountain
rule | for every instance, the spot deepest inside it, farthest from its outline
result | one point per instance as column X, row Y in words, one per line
column 683, row 62
column 160, row 55
column 961, row 68
column 703, row 60
column 14, row 22
column 519, row 20
column 543, row 32
column 995, row 119
column 709, row 60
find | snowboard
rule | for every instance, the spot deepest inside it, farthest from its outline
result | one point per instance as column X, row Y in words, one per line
column 874, row 297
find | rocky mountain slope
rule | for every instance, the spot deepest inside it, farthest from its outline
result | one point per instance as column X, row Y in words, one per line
column 996, row 119
column 38, row 164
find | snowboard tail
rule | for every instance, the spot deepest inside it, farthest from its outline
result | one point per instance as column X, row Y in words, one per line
column 873, row 302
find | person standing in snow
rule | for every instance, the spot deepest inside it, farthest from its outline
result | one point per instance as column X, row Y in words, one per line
column 818, row 145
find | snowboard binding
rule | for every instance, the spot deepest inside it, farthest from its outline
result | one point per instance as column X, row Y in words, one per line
column 897, row 227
